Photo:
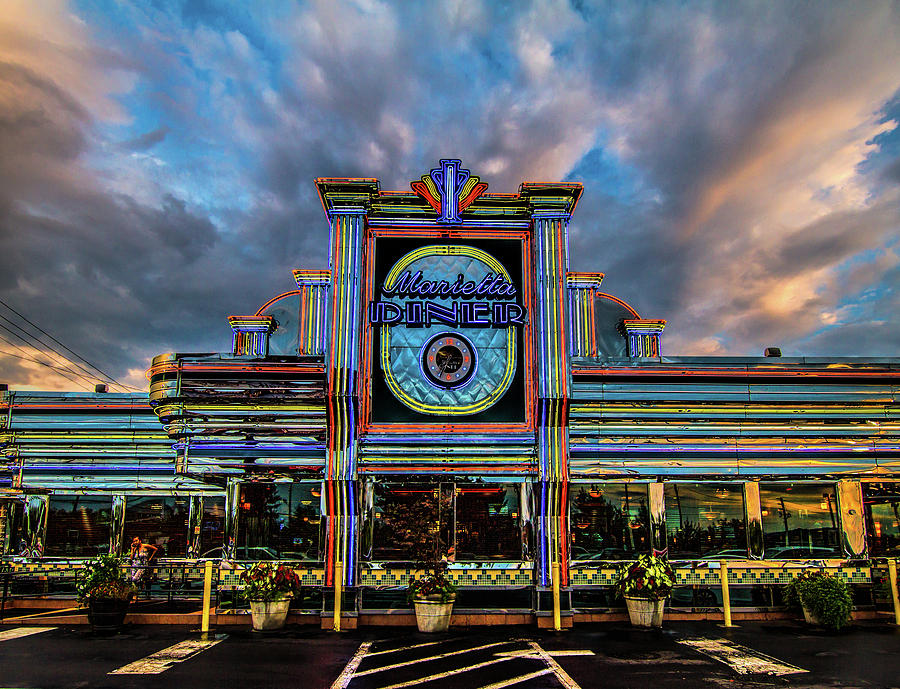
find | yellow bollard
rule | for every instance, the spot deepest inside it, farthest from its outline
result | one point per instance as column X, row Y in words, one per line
column 726, row 596
column 892, row 574
column 557, row 620
column 207, row 596
column 338, row 587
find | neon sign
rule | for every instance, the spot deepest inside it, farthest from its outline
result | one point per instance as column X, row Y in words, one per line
column 458, row 312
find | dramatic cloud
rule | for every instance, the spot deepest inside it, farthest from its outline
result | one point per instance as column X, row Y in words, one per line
column 157, row 158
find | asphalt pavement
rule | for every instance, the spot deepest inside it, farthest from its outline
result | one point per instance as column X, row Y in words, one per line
column 683, row 655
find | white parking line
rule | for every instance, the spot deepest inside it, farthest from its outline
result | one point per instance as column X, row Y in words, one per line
column 517, row 680
column 344, row 678
column 19, row 632
column 561, row 674
column 166, row 658
column 448, row 673
column 425, row 660
column 406, row 648
column 743, row 660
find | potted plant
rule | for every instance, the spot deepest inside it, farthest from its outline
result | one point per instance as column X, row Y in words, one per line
column 103, row 588
column 269, row 588
column 645, row 584
column 826, row 600
column 432, row 596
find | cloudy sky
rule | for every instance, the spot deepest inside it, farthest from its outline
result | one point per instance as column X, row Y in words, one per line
column 741, row 160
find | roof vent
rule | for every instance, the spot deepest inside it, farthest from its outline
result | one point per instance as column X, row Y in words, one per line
column 103, row 387
column 773, row 351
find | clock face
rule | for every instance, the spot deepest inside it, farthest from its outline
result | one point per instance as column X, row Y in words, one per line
column 448, row 360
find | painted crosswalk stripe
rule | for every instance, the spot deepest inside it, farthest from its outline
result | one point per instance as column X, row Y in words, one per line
column 425, row 660
column 344, row 678
column 19, row 632
column 743, row 660
column 166, row 658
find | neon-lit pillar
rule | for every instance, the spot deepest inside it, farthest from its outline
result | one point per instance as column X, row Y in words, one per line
column 346, row 204
column 551, row 207
column 642, row 336
column 251, row 335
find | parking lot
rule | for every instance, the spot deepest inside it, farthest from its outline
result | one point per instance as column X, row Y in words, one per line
column 604, row 655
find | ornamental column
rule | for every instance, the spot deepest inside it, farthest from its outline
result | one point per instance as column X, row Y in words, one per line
column 551, row 206
column 346, row 204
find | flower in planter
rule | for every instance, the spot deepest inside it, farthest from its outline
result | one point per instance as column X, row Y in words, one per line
column 265, row 582
column 433, row 585
column 102, row 579
column 648, row 577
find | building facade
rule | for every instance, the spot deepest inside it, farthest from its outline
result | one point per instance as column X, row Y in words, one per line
column 449, row 369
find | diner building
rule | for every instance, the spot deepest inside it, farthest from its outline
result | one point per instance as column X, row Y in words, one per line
column 447, row 371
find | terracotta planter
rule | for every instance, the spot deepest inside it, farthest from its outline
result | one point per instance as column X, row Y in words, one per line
column 433, row 615
column 270, row 615
column 107, row 615
column 811, row 617
column 645, row 612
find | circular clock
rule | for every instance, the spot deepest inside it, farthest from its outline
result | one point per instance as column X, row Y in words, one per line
column 448, row 360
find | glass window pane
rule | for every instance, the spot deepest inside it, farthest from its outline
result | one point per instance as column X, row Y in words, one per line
column 212, row 527
column 487, row 522
column 882, row 503
column 800, row 520
column 705, row 520
column 408, row 519
column 279, row 521
column 78, row 525
column 610, row 521
column 159, row 521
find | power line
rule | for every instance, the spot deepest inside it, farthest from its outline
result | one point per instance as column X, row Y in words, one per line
column 62, row 372
column 73, row 353
column 43, row 363
column 31, row 342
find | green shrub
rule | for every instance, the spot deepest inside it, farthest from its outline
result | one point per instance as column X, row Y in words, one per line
column 827, row 597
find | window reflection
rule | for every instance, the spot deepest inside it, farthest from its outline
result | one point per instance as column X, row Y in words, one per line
column 609, row 521
column 212, row 527
column 459, row 521
column 800, row 520
column 882, row 507
column 487, row 522
column 412, row 522
column 159, row 521
column 78, row 525
column 705, row 520
column 279, row 521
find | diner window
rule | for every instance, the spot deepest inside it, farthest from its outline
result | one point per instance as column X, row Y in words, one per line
column 800, row 520
column 882, row 508
column 78, row 526
column 159, row 521
column 610, row 521
column 705, row 520
column 487, row 522
column 212, row 526
column 412, row 522
column 279, row 521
